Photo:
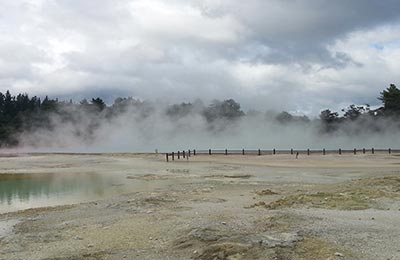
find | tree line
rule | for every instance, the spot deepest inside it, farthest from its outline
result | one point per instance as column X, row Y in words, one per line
column 23, row 114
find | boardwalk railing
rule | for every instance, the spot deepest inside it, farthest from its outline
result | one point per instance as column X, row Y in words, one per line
column 186, row 154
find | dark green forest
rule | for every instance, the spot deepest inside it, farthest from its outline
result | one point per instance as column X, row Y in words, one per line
column 22, row 114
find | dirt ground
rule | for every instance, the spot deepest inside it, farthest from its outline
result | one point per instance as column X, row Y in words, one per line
column 214, row 207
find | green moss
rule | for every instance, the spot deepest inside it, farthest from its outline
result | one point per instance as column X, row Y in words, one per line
column 355, row 195
column 315, row 249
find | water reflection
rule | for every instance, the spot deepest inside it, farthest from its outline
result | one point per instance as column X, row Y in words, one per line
column 23, row 191
column 19, row 191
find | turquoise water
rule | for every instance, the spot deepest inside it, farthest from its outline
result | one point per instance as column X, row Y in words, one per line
column 24, row 187
column 22, row 191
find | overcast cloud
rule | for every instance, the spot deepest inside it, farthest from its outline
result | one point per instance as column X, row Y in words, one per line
column 303, row 55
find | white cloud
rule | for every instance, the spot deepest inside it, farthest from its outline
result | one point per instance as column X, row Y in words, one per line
column 310, row 54
column 180, row 22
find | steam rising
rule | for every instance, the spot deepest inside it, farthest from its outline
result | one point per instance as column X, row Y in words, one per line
column 148, row 127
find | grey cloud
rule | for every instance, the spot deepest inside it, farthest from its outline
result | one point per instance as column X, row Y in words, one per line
column 181, row 50
column 17, row 61
column 300, row 30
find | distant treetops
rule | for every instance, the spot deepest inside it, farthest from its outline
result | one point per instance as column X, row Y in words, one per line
column 22, row 114
column 391, row 100
column 370, row 120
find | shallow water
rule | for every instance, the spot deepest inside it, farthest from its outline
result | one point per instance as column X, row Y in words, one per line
column 23, row 191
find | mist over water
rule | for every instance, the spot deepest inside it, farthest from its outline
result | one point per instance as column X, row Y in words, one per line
column 138, row 130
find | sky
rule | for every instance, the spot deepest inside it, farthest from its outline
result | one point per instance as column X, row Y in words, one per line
column 300, row 56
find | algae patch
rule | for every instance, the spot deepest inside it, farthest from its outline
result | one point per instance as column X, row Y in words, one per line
column 354, row 195
column 315, row 249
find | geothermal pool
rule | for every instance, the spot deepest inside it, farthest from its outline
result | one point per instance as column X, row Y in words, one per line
column 24, row 191
column 39, row 180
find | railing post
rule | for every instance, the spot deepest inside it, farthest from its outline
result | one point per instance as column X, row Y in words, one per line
column 226, row 151
column 390, row 150
column 291, row 151
column 274, row 151
column 373, row 151
column 355, row 151
column 242, row 151
column 194, row 152
column 340, row 151
column 166, row 156
column 184, row 154
column 209, row 152
column 173, row 156
column 189, row 154
column 179, row 155
column 363, row 150
column 308, row 151
column 323, row 151
column 259, row 152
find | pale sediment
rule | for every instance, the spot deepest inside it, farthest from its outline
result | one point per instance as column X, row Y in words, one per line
column 234, row 207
